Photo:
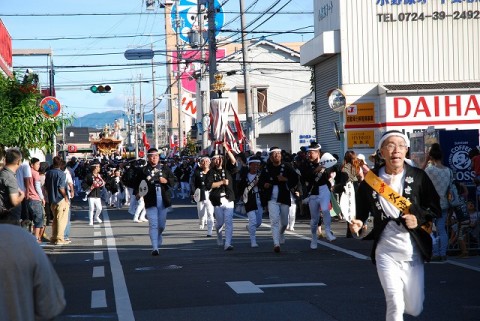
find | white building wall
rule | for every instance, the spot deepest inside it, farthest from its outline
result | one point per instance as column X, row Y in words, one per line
column 379, row 48
column 286, row 82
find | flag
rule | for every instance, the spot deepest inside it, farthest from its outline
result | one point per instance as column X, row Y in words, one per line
column 145, row 141
column 222, row 130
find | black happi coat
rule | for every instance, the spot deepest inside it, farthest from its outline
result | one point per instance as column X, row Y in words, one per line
column 216, row 175
column 269, row 175
column 199, row 181
column 152, row 176
column 251, row 204
column 419, row 189
column 310, row 177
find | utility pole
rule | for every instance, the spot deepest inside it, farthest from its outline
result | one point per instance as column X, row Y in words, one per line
column 135, row 131
column 155, row 120
column 203, row 88
column 212, row 44
column 179, row 75
column 246, row 80
column 64, row 153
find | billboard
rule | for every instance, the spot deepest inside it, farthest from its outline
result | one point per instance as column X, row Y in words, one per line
column 5, row 50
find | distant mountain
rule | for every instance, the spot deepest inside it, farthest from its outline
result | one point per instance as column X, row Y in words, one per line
column 99, row 120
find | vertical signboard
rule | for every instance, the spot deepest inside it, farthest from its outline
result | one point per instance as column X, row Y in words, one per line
column 456, row 146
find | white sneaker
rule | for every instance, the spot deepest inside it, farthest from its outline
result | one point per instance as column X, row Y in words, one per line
column 143, row 220
column 85, row 199
column 136, row 221
column 98, row 220
column 90, row 223
column 329, row 235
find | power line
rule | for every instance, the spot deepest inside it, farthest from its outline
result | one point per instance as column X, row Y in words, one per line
column 133, row 14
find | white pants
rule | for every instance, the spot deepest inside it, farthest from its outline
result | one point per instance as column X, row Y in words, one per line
column 128, row 195
column 205, row 213
column 291, row 214
column 140, row 211
column 94, row 207
column 278, row 214
column 319, row 203
column 403, row 285
column 157, row 219
column 224, row 216
column 116, row 199
column 254, row 222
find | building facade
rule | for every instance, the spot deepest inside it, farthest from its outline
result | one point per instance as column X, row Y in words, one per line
column 404, row 65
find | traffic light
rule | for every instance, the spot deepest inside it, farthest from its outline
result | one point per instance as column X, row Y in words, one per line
column 100, row 89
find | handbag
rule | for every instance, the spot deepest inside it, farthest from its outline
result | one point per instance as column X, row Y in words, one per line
column 453, row 196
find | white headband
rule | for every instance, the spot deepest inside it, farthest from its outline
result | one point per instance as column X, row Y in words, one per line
column 275, row 150
column 254, row 161
column 393, row 133
column 314, row 148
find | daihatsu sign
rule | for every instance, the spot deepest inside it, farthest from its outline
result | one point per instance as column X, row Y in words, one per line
column 433, row 110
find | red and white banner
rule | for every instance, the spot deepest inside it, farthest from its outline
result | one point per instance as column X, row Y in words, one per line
column 189, row 105
column 221, row 128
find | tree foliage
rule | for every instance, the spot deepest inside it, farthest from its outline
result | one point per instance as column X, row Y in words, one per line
column 22, row 122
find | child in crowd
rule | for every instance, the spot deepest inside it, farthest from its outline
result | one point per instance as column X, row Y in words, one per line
column 466, row 229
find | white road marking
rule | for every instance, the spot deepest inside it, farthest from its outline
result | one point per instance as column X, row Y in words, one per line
column 99, row 299
column 326, row 244
column 97, row 242
column 97, row 233
column 122, row 298
column 247, row 287
column 98, row 272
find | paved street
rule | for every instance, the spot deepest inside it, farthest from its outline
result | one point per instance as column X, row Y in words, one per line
column 109, row 274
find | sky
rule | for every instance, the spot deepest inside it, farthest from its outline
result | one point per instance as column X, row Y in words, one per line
column 88, row 40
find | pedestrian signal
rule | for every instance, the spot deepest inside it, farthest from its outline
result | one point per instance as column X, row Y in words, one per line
column 100, row 89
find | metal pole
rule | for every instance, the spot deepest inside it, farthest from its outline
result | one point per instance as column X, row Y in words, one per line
column 135, row 131
column 204, row 109
column 212, row 45
column 246, row 80
column 155, row 120
column 64, row 154
column 179, row 78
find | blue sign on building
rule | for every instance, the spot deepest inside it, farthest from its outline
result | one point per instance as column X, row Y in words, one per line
column 187, row 11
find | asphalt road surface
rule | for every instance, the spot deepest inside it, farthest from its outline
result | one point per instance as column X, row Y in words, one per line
column 109, row 274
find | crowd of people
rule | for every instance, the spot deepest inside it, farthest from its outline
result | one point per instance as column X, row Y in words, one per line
column 274, row 184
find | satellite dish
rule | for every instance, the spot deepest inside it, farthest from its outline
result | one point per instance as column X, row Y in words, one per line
column 337, row 100
column 337, row 131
